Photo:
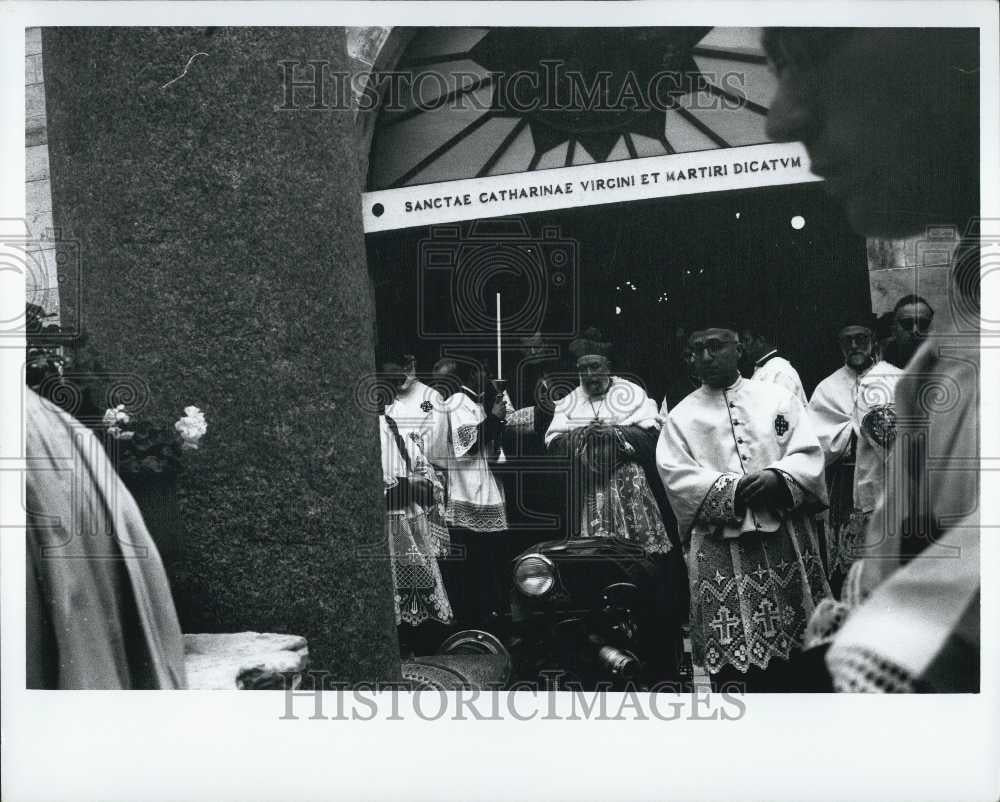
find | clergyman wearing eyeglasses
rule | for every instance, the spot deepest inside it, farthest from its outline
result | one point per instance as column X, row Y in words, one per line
column 911, row 321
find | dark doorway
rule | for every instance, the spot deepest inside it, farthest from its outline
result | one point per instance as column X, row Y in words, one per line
column 642, row 272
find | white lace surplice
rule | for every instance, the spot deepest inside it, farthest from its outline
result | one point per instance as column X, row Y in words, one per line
column 415, row 537
column 475, row 498
column 420, row 415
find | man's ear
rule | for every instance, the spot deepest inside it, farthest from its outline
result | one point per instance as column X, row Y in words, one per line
column 740, row 350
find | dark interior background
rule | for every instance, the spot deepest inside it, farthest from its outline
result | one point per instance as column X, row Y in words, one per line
column 644, row 273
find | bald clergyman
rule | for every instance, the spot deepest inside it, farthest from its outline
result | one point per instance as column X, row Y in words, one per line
column 744, row 473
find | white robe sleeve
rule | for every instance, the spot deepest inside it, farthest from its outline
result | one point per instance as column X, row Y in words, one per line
column 698, row 495
column 393, row 466
column 559, row 424
column 802, row 464
column 791, row 383
column 832, row 421
column 437, row 447
column 645, row 416
column 464, row 417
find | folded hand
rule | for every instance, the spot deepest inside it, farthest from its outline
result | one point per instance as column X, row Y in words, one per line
column 421, row 491
column 760, row 488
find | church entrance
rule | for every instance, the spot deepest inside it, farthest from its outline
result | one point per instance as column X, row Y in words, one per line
column 780, row 259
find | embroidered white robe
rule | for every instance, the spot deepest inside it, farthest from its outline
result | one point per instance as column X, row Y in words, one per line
column 420, row 415
column 98, row 612
column 475, row 497
column 624, row 404
column 618, row 501
column 416, row 535
column 755, row 577
column 778, row 370
column 847, row 408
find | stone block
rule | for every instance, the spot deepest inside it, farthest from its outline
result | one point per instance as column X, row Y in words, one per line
column 34, row 100
column 36, row 162
column 244, row 661
column 931, row 249
column 45, row 297
column 33, row 72
column 364, row 44
column 38, row 197
column 35, row 132
column 41, row 227
column 41, row 279
column 32, row 41
column 932, row 283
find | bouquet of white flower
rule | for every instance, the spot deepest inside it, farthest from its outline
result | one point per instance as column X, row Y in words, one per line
column 191, row 427
column 115, row 420
column 142, row 448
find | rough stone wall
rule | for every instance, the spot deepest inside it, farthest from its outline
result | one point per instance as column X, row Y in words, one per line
column 41, row 280
column 919, row 265
column 223, row 261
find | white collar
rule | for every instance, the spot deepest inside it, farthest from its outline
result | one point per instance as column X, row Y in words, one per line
column 734, row 386
column 760, row 362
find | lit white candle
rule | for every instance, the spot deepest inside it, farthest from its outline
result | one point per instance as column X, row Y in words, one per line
column 499, row 362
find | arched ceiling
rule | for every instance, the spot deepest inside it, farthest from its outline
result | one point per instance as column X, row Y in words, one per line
column 457, row 108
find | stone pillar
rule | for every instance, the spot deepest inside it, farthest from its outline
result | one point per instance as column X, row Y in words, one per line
column 223, row 262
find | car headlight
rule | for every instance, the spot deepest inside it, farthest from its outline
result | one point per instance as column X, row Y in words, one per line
column 534, row 575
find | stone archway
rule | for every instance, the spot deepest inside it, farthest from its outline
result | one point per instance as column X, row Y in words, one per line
column 896, row 267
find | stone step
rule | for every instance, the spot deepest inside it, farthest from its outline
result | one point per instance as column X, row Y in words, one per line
column 244, row 660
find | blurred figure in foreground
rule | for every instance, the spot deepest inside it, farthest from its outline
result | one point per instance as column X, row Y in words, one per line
column 99, row 613
column 857, row 100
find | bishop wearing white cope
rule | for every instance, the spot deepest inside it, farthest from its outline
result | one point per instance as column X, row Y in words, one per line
column 607, row 426
column 853, row 414
column 744, row 472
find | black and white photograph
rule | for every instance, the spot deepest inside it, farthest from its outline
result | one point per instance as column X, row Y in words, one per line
column 614, row 367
